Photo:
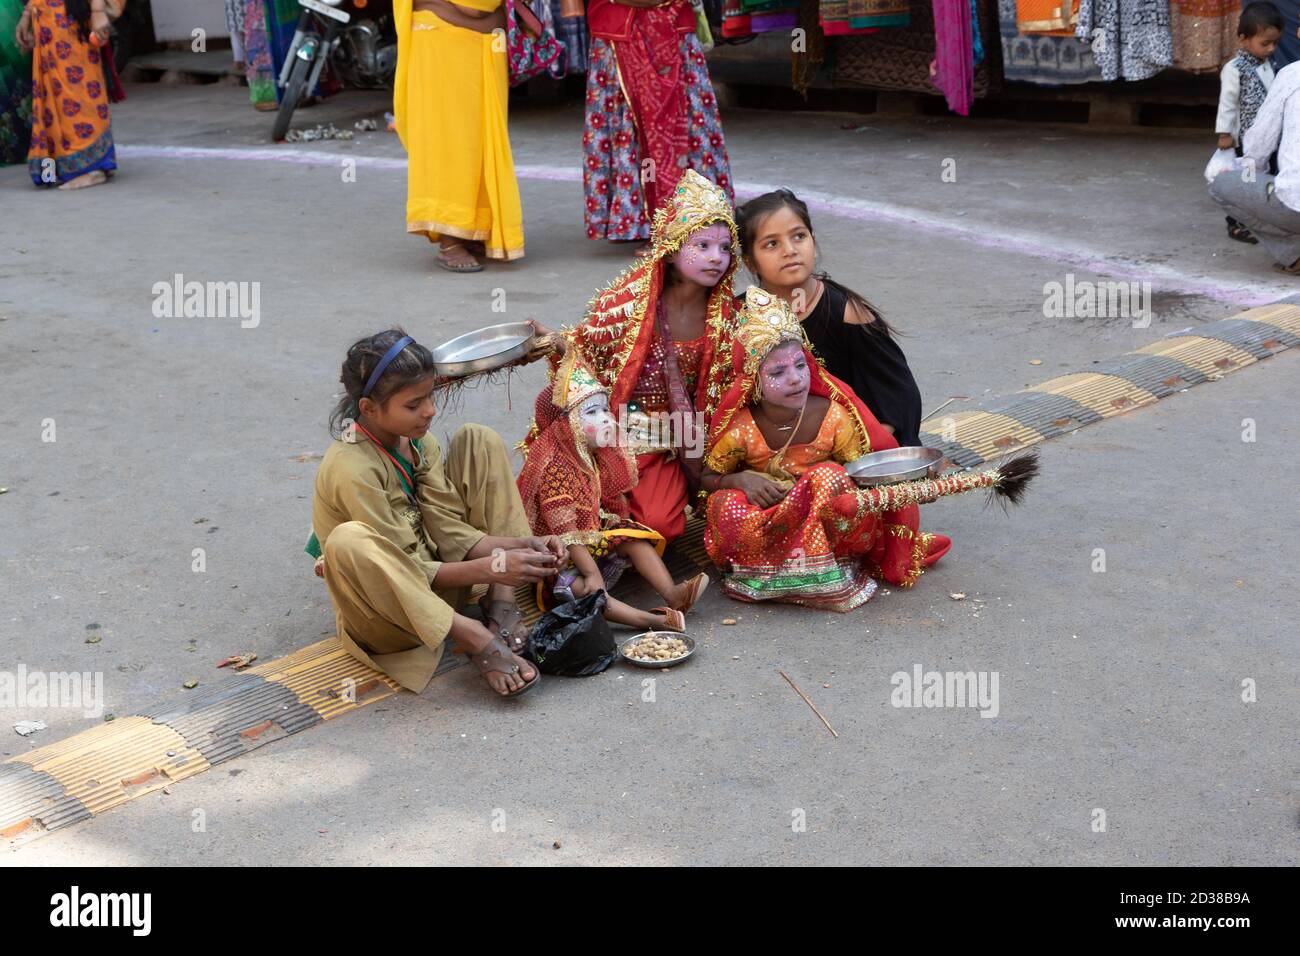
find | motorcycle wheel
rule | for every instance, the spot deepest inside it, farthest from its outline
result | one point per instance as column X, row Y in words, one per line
column 293, row 92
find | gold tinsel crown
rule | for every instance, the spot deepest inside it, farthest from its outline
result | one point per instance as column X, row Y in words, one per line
column 765, row 322
column 574, row 382
column 695, row 202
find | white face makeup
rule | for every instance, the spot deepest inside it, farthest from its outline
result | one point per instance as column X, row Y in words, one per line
column 596, row 421
column 784, row 376
column 705, row 257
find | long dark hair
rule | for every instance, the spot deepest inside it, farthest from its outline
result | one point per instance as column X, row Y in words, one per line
column 409, row 365
column 79, row 11
column 750, row 216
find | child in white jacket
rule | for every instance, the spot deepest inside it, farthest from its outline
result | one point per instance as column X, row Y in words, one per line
column 1244, row 82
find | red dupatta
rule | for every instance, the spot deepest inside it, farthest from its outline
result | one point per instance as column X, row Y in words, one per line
column 565, row 487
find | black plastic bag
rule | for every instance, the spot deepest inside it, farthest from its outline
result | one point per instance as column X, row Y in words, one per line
column 573, row 639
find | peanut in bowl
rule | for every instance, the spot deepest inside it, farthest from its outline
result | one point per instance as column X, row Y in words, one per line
column 657, row 649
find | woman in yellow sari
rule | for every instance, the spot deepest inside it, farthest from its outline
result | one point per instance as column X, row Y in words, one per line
column 450, row 100
column 72, row 144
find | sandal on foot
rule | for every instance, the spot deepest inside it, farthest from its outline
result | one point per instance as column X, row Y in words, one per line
column 674, row 620
column 464, row 263
column 1292, row 270
column 1239, row 232
column 496, row 657
column 497, row 616
column 695, row 589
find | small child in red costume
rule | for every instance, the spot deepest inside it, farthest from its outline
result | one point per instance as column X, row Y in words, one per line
column 574, row 483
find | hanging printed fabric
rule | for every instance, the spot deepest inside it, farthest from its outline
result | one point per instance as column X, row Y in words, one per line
column 1204, row 33
column 532, row 49
column 1130, row 39
column 954, row 54
column 848, row 17
column 567, row 19
column 1048, row 17
column 1040, row 58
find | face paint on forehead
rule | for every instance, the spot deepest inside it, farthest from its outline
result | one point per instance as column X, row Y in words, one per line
column 786, row 353
column 595, row 404
column 716, row 232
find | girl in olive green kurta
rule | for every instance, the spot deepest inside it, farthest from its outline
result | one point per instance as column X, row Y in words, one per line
column 403, row 535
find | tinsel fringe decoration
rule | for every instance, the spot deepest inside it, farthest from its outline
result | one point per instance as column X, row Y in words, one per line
column 450, row 392
column 1007, row 484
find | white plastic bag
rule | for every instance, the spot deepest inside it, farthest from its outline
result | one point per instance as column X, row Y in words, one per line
column 1221, row 160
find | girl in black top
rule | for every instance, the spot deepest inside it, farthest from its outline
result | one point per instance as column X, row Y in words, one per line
column 847, row 332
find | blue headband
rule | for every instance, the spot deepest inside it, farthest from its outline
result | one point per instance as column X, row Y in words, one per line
column 384, row 362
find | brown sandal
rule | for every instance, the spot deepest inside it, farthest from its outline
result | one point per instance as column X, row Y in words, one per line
column 695, row 589
column 674, row 620
column 467, row 262
column 496, row 657
column 496, row 623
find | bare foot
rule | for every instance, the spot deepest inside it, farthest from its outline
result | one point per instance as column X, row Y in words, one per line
column 92, row 178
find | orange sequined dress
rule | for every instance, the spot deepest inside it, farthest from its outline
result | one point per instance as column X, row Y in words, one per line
column 805, row 549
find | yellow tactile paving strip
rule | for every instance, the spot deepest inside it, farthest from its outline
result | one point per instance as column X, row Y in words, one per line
column 321, row 676
column 107, row 765
column 110, row 764
column 974, row 436
column 1107, row 395
column 988, row 433
column 1209, row 356
column 1283, row 315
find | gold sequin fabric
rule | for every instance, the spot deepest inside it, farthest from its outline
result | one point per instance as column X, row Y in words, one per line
column 651, row 390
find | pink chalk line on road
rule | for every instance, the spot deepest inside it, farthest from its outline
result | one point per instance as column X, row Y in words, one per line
column 1248, row 292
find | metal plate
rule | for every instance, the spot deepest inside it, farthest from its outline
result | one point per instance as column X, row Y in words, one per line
column 895, row 464
column 483, row 349
column 688, row 641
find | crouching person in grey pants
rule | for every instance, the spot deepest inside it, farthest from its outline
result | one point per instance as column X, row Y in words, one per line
column 1269, row 205
column 1253, row 201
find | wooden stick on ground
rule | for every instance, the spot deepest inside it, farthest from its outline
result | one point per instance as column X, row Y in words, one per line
column 808, row 702
column 936, row 411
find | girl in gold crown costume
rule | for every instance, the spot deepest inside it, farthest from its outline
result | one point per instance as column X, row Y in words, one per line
column 783, row 516
column 659, row 338
column 575, row 484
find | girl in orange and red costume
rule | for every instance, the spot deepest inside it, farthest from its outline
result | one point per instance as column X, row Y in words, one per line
column 652, row 336
column 789, row 524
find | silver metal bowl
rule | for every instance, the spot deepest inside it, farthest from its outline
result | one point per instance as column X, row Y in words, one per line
column 895, row 464
column 688, row 641
column 483, row 349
